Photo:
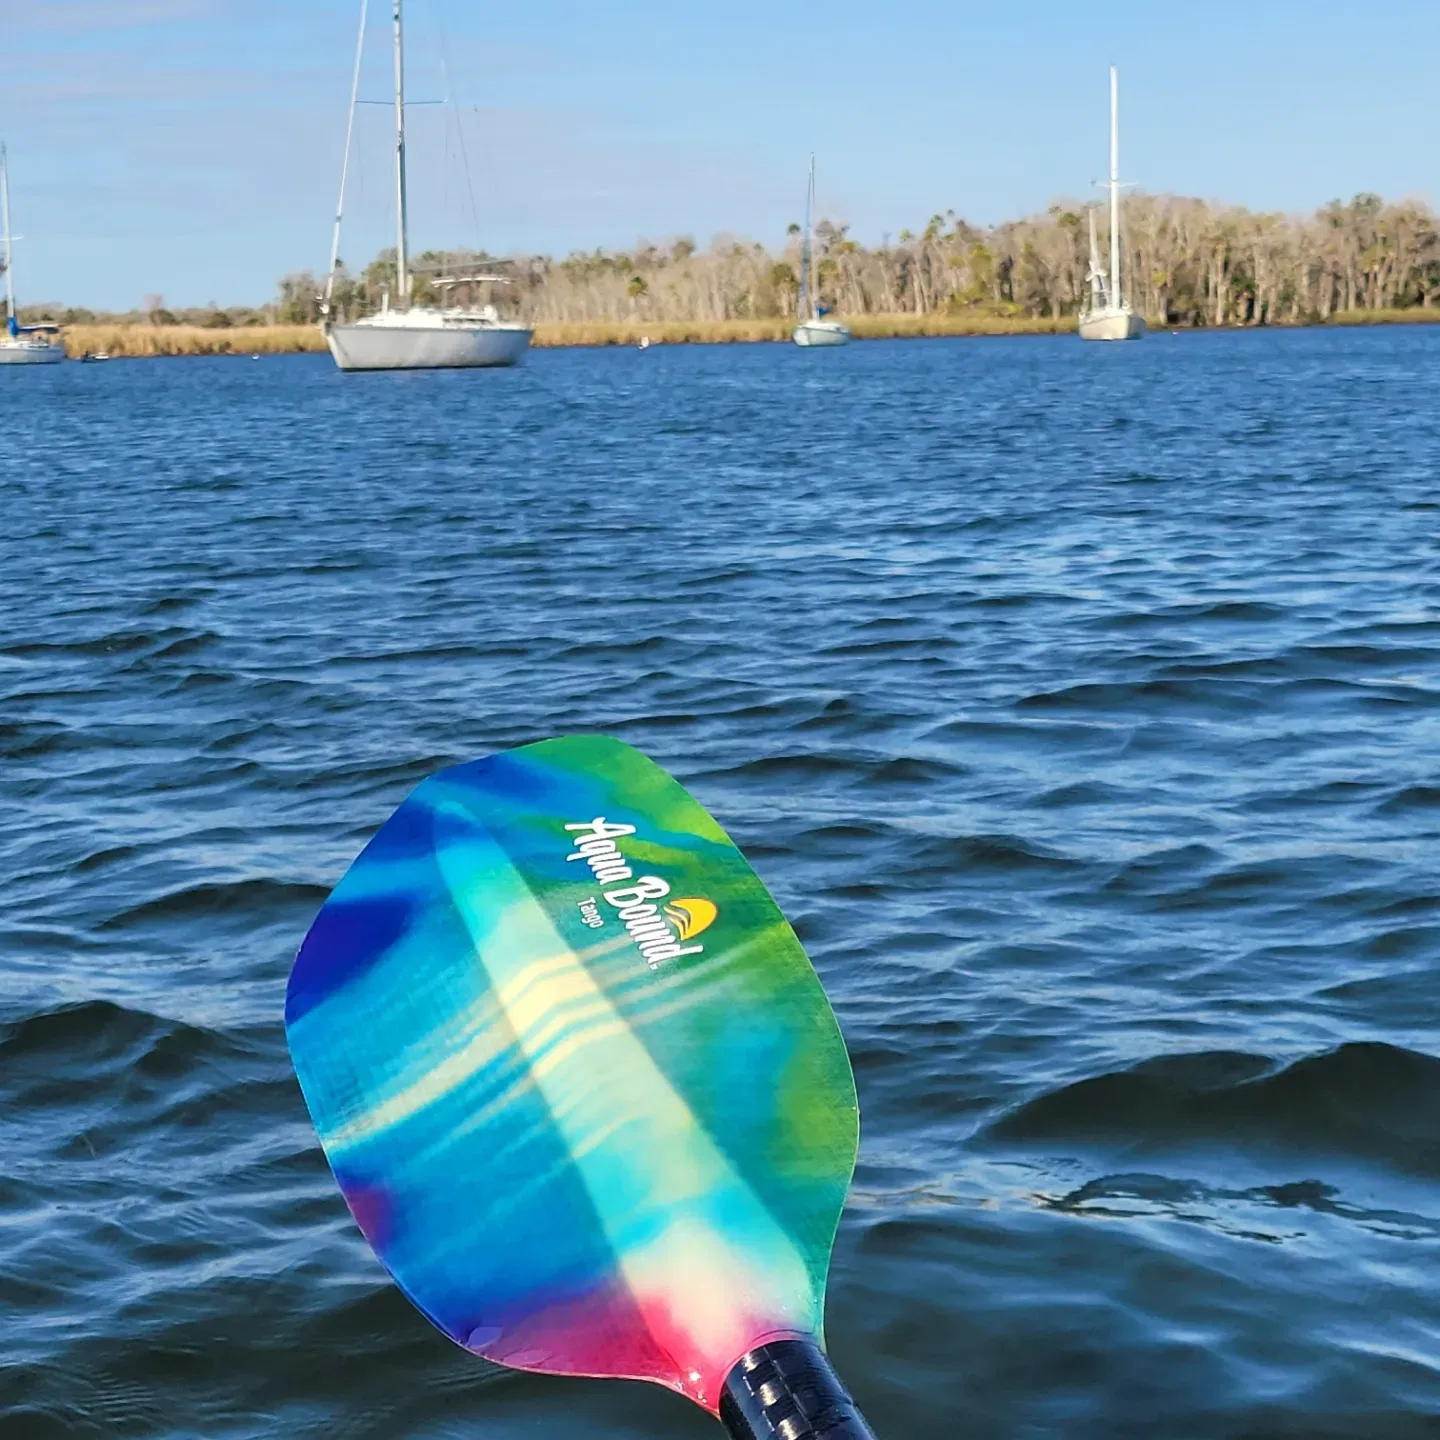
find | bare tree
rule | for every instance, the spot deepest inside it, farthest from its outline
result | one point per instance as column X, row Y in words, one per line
column 1190, row 262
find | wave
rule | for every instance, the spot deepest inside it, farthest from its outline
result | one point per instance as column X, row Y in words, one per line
column 1186, row 696
column 1365, row 1100
column 118, row 642
column 793, row 767
column 1234, row 611
column 84, row 1037
column 1419, row 797
column 911, row 770
column 243, row 896
column 98, row 1079
column 932, row 857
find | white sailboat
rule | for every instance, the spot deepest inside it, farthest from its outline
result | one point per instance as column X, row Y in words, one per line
column 22, row 344
column 1108, row 316
column 406, row 336
column 814, row 328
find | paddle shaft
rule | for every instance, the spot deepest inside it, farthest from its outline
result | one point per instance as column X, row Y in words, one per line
column 786, row 1390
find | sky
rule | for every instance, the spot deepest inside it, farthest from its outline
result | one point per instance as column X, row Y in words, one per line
column 191, row 148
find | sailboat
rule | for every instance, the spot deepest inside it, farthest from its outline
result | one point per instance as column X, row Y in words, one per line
column 814, row 328
column 1108, row 316
column 402, row 335
column 22, row 344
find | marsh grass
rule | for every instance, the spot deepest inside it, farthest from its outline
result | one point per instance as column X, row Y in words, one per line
column 961, row 322
column 155, row 340
column 132, row 341
column 864, row 327
column 660, row 332
column 1413, row 315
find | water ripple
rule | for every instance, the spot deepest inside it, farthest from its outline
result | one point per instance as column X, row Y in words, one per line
column 1080, row 708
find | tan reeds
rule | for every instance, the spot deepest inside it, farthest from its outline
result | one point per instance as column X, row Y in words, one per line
column 1413, row 315
column 864, row 327
column 660, row 332
column 149, row 340
column 155, row 340
column 895, row 327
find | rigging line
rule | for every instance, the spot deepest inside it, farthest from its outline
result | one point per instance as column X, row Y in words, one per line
column 460, row 132
column 447, row 169
column 345, row 164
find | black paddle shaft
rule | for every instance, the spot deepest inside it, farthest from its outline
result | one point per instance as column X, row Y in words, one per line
column 787, row 1391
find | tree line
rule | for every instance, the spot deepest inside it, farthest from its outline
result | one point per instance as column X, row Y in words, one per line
column 1187, row 262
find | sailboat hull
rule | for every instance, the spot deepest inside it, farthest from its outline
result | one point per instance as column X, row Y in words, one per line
column 441, row 347
column 30, row 352
column 1112, row 325
column 821, row 332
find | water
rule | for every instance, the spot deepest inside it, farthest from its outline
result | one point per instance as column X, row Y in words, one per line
column 1080, row 705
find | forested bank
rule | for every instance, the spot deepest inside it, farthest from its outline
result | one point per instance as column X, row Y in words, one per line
column 1187, row 263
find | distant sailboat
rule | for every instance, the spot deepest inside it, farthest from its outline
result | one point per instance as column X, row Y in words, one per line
column 814, row 328
column 406, row 336
column 1107, row 315
column 22, row 344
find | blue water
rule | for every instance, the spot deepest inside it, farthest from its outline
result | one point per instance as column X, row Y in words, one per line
column 1080, row 705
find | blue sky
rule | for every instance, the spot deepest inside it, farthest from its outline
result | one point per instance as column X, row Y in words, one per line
column 191, row 148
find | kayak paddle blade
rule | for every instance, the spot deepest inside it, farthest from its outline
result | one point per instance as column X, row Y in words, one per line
column 575, row 1076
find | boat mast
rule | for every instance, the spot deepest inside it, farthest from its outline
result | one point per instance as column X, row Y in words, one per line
column 806, row 245
column 5, row 220
column 345, row 163
column 402, row 249
column 1114, row 190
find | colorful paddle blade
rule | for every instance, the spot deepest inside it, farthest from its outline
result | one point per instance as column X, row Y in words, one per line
column 574, row 1074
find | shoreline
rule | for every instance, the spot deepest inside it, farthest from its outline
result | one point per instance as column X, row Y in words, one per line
column 141, row 341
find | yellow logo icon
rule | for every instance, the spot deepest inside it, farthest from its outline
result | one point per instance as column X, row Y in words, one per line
column 690, row 917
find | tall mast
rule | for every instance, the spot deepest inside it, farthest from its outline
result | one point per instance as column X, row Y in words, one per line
column 1114, row 189
column 5, row 220
column 345, row 163
column 402, row 248
column 807, row 245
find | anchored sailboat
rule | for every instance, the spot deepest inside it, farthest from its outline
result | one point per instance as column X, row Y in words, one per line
column 1108, row 316
column 22, row 344
column 814, row 328
column 404, row 336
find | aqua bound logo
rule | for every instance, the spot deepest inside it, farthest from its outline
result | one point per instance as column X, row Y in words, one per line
column 658, row 925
